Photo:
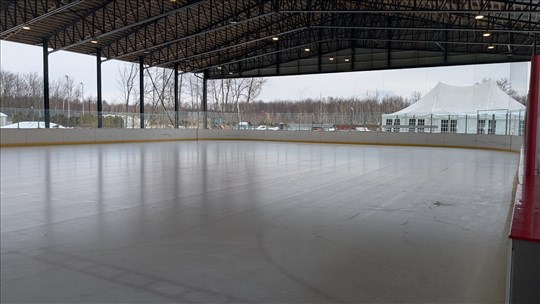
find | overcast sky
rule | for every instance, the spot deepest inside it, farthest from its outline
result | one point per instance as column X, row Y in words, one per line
column 23, row 59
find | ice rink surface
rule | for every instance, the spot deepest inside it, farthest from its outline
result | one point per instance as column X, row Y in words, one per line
column 267, row 222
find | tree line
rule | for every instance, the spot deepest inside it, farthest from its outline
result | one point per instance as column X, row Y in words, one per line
column 234, row 99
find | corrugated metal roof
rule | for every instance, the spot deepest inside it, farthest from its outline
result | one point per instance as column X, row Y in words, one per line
column 235, row 38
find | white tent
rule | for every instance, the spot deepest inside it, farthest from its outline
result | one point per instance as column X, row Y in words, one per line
column 32, row 125
column 480, row 108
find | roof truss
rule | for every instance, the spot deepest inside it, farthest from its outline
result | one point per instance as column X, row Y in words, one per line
column 231, row 38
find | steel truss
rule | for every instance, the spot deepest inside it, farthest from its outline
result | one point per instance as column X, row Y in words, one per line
column 231, row 38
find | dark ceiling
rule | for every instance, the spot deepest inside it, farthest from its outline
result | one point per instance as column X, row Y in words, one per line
column 236, row 38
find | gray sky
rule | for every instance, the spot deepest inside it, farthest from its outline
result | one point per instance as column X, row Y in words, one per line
column 22, row 58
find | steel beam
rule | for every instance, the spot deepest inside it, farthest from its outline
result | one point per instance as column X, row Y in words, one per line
column 46, row 106
column 141, row 90
column 204, row 105
column 18, row 27
column 99, row 89
column 148, row 19
column 176, row 114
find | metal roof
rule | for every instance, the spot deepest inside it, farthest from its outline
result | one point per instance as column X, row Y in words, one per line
column 232, row 38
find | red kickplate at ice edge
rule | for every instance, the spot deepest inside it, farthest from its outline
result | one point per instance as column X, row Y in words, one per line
column 526, row 217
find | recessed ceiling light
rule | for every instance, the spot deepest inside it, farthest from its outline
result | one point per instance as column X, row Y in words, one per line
column 347, row 59
column 25, row 27
column 230, row 73
column 479, row 17
column 307, row 50
column 275, row 38
column 219, row 68
column 94, row 41
column 486, row 34
column 331, row 58
column 491, row 47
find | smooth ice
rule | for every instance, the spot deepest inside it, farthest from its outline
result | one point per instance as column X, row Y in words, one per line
column 232, row 221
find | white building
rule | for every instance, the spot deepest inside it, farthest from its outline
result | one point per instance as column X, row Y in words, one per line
column 3, row 119
column 478, row 109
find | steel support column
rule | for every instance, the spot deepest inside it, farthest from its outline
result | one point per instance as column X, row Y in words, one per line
column 176, row 114
column 204, row 105
column 46, row 106
column 141, row 90
column 99, row 89
column 531, row 121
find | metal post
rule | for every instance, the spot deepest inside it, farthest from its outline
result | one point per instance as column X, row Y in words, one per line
column 68, row 84
column 531, row 122
column 205, row 99
column 82, row 97
column 176, row 114
column 46, row 82
column 507, row 126
column 99, row 89
column 141, row 90
column 519, row 124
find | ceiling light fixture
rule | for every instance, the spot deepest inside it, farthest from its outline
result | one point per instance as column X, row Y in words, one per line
column 479, row 17
column 230, row 73
column 331, row 58
column 491, row 47
column 307, row 50
column 347, row 59
column 26, row 27
column 219, row 67
column 486, row 34
column 94, row 41
column 275, row 38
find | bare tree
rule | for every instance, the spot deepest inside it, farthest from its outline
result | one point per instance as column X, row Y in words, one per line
column 126, row 84
column 415, row 96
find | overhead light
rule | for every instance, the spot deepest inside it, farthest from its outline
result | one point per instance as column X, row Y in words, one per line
column 491, row 47
column 331, row 58
column 486, row 34
column 479, row 17
column 230, row 73
column 347, row 59
column 219, row 67
column 94, row 41
column 173, row 1
column 307, row 50
column 26, row 27
column 233, row 22
column 275, row 38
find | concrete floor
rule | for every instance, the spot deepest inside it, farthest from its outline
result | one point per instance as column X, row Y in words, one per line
column 253, row 222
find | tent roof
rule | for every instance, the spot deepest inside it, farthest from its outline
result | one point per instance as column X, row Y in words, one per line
column 31, row 125
column 450, row 99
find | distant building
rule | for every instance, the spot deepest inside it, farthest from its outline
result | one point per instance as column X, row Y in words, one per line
column 478, row 109
column 3, row 119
